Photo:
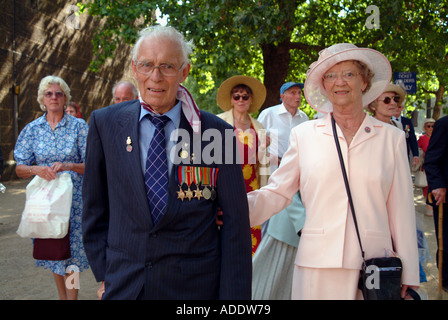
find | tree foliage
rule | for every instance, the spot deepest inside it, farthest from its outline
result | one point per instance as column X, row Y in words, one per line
column 276, row 40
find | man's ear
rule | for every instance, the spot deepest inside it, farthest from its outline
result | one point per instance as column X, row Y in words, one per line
column 185, row 72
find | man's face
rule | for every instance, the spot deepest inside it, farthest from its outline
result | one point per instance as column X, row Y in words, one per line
column 291, row 98
column 158, row 90
column 123, row 92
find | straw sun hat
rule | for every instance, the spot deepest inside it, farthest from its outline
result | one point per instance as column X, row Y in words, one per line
column 428, row 120
column 315, row 93
column 258, row 92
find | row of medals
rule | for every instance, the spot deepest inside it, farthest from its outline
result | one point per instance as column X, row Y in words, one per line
column 189, row 194
column 207, row 193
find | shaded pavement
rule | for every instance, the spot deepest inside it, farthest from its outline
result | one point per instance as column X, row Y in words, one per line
column 21, row 280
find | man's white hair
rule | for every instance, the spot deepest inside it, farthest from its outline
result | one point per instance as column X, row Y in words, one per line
column 165, row 32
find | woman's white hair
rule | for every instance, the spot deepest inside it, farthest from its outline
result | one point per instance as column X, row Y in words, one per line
column 165, row 32
column 45, row 83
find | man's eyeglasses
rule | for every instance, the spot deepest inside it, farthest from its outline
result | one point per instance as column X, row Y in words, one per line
column 57, row 94
column 345, row 75
column 166, row 69
column 237, row 97
column 388, row 100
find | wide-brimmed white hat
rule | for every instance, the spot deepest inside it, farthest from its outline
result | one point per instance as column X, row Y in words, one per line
column 315, row 93
column 258, row 92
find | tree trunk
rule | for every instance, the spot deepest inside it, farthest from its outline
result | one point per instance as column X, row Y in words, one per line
column 276, row 63
column 428, row 108
column 438, row 102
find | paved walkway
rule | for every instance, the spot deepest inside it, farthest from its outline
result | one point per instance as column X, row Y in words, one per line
column 21, row 280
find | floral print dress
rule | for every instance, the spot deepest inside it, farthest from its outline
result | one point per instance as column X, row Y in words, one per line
column 38, row 143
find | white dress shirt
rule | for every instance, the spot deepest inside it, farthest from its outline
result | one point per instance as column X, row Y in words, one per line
column 278, row 123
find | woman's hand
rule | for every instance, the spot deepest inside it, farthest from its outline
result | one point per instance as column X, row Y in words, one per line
column 59, row 166
column 404, row 289
column 219, row 217
column 45, row 172
column 101, row 291
column 69, row 166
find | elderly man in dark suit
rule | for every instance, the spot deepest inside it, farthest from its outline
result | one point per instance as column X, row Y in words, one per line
column 152, row 188
column 408, row 127
column 436, row 167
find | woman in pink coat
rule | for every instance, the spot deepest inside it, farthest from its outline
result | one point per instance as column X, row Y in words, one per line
column 343, row 80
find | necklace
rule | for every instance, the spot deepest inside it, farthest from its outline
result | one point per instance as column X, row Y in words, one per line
column 52, row 122
column 351, row 132
column 242, row 124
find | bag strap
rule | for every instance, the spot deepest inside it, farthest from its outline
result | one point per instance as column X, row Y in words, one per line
column 347, row 187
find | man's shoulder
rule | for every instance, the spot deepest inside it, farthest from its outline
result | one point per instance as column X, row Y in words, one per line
column 210, row 120
column 76, row 122
column 406, row 120
column 302, row 114
column 270, row 110
column 443, row 120
column 116, row 110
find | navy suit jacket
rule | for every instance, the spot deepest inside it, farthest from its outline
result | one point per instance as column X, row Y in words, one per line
column 411, row 139
column 184, row 256
column 436, row 157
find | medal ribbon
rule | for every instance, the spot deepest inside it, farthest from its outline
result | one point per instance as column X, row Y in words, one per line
column 214, row 176
column 179, row 177
column 197, row 175
column 183, row 174
column 206, row 176
column 189, row 171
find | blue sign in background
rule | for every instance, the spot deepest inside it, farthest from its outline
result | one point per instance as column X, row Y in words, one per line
column 409, row 80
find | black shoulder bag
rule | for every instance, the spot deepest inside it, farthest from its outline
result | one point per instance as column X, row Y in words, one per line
column 380, row 278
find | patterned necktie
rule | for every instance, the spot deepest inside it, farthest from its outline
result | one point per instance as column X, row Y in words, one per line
column 156, row 173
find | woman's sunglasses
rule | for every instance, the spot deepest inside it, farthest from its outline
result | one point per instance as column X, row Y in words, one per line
column 387, row 100
column 429, row 126
column 237, row 97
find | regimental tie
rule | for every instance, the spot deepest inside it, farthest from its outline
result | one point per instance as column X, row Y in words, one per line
column 156, row 173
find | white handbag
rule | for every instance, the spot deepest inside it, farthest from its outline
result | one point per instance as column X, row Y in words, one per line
column 47, row 208
column 420, row 179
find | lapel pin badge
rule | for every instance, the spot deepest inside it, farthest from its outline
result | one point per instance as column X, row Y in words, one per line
column 128, row 144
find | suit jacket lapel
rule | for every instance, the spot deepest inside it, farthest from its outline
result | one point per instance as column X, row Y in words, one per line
column 129, row 122
column 365, row 132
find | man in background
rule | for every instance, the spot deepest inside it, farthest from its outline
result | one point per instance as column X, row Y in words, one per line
column 124, row 91
column 436, row 168
column 408, row 128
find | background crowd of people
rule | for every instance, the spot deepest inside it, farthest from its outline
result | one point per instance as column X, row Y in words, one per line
column 287, row 231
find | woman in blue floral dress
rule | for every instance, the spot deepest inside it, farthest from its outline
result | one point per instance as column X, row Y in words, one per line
column 56, row 142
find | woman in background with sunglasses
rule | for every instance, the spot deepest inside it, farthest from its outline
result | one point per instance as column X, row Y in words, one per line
column 238, row 97
column 423, row 143
column 53, row 143
column 385, row 106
